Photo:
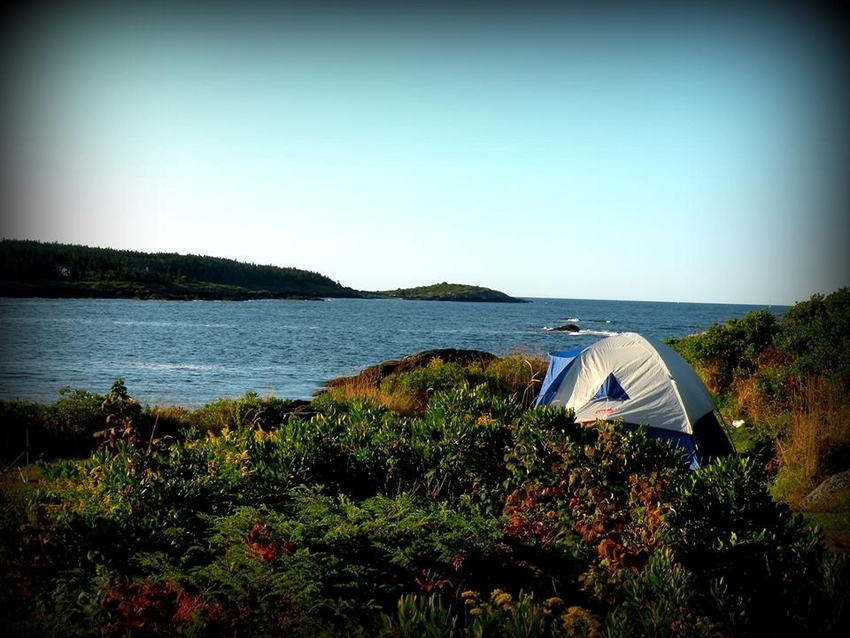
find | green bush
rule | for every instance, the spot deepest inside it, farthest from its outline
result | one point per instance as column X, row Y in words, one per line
column 435, row 377
column 788, row 379
column 754, row 563
column 661, row 600
column 730, row 351
column 249, row 411
column 816, row 334
column 63, row 428
column 812, row 337
column 361, row 520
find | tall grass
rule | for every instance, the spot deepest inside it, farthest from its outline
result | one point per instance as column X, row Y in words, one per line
column 518, row 375
column 817, row 441
column 408, row 392
column 359, row 387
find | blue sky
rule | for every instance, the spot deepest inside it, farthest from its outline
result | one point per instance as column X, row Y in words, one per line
column 545, row 152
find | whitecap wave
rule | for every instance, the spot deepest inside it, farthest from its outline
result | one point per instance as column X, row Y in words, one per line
column 600, row 333
column 581, row 333
column 196, row 367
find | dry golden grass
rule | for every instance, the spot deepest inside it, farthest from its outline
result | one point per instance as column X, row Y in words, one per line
column 520, row 375
column 750, row 401
column 712, row 376
column 170, row 412
column 515, row 374
column 360, row 387
column 817, row 441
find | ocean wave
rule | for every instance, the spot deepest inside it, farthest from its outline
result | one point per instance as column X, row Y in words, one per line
column 169, row 324
column 600, row 333
column 577, row 320
column 171, row 366
column 580, row 333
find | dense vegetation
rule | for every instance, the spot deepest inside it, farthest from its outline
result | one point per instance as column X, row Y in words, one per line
column 31, row 268
column 451, row 292
column 788, row 381
column 434, row 502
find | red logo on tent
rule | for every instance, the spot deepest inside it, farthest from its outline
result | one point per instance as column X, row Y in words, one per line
column 606, row 411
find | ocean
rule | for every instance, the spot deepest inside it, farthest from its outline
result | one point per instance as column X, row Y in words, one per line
column 190, row 353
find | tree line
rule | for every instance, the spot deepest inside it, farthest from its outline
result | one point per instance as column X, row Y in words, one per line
column 33, row 266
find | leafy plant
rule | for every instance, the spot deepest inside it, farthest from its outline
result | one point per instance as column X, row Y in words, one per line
column 251, row 517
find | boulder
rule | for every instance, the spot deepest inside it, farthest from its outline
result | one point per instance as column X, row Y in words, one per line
column 567, row 327
column 821, row 498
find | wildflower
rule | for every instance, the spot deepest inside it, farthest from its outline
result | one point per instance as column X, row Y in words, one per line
column 580, row 622
column 501, row 598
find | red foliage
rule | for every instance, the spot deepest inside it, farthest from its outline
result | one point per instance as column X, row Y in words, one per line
column 523, row 510
column 187, row 606
column 153, row 609
column 262, row 541
column 622, row 527
column 147, row 605
column 429, row 583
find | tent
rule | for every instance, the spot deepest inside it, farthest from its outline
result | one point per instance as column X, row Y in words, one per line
column 639, row 381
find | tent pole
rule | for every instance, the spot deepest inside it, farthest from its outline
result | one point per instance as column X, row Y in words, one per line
column 726, row 430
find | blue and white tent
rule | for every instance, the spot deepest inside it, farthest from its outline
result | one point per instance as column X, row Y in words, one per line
column 639, row 381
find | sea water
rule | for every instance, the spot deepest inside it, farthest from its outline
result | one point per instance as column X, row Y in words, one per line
column 190, row 353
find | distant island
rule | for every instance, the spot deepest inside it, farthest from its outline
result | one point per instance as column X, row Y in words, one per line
column 451, row 292
column 39, row 269
column 31, row 268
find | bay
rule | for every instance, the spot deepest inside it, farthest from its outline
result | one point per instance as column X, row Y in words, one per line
column 190, row 353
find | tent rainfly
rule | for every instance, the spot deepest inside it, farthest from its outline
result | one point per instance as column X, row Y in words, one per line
column 639, row 381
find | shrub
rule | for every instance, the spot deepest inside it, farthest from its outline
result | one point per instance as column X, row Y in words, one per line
column 248, row 411
column 361, row 519
column 660, row 600
column 754, row 563
column 461, row 440
column 601, row 502
column 816, row 333
column 409, row 392
column 76, row 413
column 500, row 615
column 418, row 385
column 62, row 428
column 730, row 351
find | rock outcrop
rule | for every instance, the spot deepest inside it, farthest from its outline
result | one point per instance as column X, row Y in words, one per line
column 820, row 498
column 567, row 327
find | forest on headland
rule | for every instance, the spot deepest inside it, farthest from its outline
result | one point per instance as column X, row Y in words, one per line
column 435, row 500
column 31, row 268
column 39, row 269
column 451, row 292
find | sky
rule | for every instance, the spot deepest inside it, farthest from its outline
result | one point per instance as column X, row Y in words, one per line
column 636, row 152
